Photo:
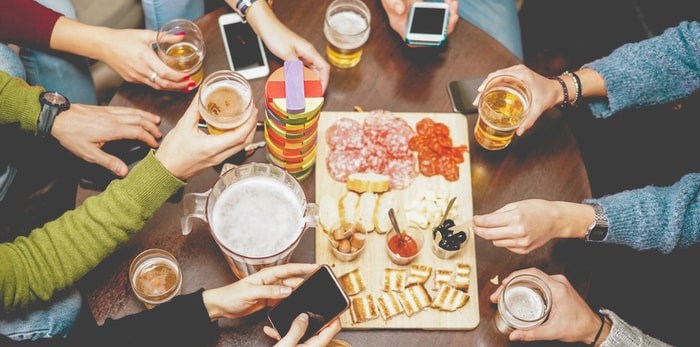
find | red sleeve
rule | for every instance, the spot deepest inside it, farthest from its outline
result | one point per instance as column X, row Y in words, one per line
column 26, row 22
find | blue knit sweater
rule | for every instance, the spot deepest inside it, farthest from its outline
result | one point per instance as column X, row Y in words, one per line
column 655, row 71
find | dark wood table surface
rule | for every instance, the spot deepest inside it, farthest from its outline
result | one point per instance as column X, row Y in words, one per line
column 545, row 163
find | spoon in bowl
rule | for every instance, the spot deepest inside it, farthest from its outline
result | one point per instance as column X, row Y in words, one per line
column 395, row 224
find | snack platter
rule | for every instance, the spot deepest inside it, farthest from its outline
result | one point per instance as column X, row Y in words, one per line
column 373, row 260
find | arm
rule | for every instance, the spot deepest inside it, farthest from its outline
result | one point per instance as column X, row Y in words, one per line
column 618, row 333
column 662, row 218
column 283, row 42
column 28, row 23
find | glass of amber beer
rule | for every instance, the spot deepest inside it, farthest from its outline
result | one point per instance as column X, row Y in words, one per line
column 502, row 108
column 225, row 101
column 346, row 29
column 180, row 45
column 155, row 277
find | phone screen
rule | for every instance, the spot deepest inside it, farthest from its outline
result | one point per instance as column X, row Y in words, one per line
column 244, row 46
column 319, row 296
column 427, row 21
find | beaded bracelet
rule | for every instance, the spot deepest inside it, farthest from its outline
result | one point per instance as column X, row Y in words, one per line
column 577, row 85
column 242, row 7
column 566, row 91
column 600, row 330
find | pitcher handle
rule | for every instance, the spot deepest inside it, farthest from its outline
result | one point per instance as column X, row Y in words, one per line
column 195, row 207
column 311, row 216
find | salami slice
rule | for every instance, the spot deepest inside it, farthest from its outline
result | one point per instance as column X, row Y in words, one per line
column 341, row 164
column 343, row 134
column 402, row 172
column 375, row 158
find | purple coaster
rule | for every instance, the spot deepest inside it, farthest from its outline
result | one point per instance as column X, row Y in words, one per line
column 294, row 86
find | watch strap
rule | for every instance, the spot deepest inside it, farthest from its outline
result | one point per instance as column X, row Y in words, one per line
column 598, row 230
column 48, row 114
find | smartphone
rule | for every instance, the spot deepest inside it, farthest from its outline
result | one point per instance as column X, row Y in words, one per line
column 320, row 296
column 244, row 49
column 96, row 177
column 427, row 23
column 462, row 94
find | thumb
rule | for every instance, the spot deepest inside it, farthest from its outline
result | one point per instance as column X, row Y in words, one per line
column 191, row 115
column 111, row 163
column 397, row 6
column 296, row 331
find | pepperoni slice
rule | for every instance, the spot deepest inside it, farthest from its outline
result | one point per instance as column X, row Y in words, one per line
column 424, row 126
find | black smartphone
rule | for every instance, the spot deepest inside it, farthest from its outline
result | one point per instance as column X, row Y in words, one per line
column 244, row 49
column 462, row 94
column 96, row 177
column 320, row 296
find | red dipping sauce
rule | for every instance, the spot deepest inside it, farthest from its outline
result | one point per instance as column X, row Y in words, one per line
column 406, row 248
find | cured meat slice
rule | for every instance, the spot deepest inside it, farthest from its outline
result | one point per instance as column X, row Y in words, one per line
column 376, row 125
column 396, row 140
column 402, row 172
column 343, row 134
column 375, row 158
column 341, row 164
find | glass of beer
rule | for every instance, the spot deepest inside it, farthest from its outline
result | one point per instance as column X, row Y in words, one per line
column 180, row 45
column 524, row 303
column 346, row 29
column 502, row 108
column 155, row 277
column 225, row 101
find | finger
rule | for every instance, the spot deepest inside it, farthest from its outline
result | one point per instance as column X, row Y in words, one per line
column 325, row 336
column 272, row 291
column 272, row 333
column 277, row 273
column 120, row 110
column 398, row 6
column 512, row 245
column 111, row 163
column 191, row 116
column 292, row 282
column 296, row 331
column 494, row 233
column 140, row 122
column 168, row 78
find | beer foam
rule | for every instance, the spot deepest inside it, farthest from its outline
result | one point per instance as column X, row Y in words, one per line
column 349, row 23
column 257, row 217
column 525, row 303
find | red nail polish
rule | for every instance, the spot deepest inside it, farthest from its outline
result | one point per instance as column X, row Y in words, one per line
column 182, row 33
column 186, row 77
column 192, row 84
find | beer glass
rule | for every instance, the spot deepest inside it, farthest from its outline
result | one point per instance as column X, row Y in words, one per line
column 225, row 101
column 346, row 29
column 257, row 214
column 155, row 277
column 502, row 108
column 180, row 45
column 524, row 303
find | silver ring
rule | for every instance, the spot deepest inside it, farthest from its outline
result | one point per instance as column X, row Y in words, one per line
column 152, row 77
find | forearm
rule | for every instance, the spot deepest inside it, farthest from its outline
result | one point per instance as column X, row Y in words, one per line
column 80, row 39
column 27, row 23
column 54, row 256
column 259, row 16
column 637, row 217
column 19, row 103
column 620, row 334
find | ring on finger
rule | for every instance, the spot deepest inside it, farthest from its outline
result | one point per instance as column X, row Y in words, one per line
column 152, row 77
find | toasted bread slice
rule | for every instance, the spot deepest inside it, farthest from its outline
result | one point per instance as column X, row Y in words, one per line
column 462, row 276
column 418, row 273
column 352, row 282
column 414, row 299
column 348, row 208
column 442, row 277
column 449, row 299
column 328, row 213
column 386, row 201
column 394, row 280
column 389, row 305
column 367, row 206
column 368, row 182
column 363, row 308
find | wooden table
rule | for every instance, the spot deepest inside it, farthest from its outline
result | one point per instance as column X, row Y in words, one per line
column 545, row 163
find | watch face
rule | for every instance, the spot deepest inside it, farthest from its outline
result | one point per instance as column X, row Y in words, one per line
column 55, row 98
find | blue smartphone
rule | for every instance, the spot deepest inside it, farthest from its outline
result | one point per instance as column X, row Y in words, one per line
column 427, row 23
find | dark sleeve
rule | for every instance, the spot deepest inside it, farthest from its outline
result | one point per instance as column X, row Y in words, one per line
column 183, row 321
column 26, row 23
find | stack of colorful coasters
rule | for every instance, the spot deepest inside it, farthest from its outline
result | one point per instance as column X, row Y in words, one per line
column 293, row 99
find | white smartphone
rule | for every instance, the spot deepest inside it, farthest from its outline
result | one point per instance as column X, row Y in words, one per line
column 244, row 49
column 427, row 23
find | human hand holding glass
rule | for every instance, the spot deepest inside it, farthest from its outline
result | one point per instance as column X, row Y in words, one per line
column 570, row 318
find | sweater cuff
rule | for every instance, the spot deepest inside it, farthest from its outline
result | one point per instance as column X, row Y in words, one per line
column 149, row 179
column 621, row 333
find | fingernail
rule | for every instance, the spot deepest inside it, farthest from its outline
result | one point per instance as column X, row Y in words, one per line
column 189, row 89
column 303, row 317
column 285, row 290
column 182, row 33
column 186, row 77
column 192, row 84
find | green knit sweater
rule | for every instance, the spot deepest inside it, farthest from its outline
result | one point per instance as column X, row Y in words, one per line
column 53, row 257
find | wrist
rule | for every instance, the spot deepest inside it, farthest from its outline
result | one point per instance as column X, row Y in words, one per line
column 213, row 310
column 575, row 219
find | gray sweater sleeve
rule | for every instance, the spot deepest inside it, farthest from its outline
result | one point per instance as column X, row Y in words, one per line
column 661, row 218
column 656, row 71
column 624, row 335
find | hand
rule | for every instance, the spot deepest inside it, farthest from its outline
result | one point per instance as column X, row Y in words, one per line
column 297, row 330
column 284, row 43
column 253, row 292
column 526, row 225
column 84, row 129
column 571, row 319
column 397, row 11
column 130, row 54
column 186, row 150
column 545, row 93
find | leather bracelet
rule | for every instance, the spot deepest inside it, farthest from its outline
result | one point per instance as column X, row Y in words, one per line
column 600, row 330
column 577, row 85
column 566, row 91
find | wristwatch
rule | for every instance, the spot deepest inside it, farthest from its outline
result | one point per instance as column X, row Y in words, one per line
column 52, row 103
column 599, row 228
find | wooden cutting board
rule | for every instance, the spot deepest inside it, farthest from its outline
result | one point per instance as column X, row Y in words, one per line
column 373, row 259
